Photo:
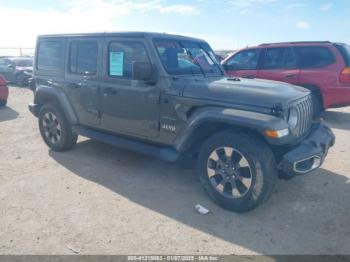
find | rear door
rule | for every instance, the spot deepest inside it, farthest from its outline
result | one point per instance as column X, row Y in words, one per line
column 318, row 66
column 243, row 64
column 279, row 64
column 83, row 76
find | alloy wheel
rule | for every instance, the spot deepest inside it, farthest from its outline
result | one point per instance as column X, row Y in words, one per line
column 52, row 128
column 229, row 172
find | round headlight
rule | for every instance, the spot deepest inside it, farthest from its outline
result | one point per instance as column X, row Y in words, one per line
column 293, row 118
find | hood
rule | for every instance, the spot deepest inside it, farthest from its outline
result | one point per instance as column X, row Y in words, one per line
column 241, row 91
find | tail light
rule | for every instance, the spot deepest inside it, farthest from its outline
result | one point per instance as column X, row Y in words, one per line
column 345, row 76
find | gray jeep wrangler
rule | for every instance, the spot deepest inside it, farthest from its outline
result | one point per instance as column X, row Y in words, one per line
column 167, row 96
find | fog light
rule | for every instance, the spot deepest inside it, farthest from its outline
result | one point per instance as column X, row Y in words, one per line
column 277, row 133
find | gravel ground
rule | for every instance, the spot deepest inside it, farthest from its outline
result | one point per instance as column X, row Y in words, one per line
column 97, row 199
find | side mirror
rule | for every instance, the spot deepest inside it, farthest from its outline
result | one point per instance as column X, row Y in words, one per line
column 142, row 71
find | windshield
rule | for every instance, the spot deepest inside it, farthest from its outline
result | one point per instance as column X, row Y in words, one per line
column 187, row 57
column 23, row 63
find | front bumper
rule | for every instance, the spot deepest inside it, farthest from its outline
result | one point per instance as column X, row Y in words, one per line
column 310, row 153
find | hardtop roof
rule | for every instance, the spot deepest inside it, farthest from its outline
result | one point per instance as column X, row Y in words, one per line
column 123, row 34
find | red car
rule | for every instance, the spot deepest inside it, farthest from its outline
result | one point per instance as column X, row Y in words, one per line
column 4, row 92
column 321, row 67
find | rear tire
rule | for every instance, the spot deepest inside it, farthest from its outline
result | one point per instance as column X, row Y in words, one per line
column 254, row 171
column 55, row 128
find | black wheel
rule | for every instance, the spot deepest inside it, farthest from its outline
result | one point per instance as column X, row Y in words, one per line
column 55, row 129
column 317, row 104
column 3, row 103
column 238, row 171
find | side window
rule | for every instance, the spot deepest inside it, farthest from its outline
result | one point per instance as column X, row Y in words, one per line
column 122, row 55
column 244, row 60
column 83, row 57
column 279, row 58
column 274, row 58
column 50, row 55
column 176, row 59
column 290, row 60
column 314, row 56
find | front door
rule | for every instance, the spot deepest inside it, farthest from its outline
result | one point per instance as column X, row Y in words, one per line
column 279, row 64
column 128, row 106
column 83, row 78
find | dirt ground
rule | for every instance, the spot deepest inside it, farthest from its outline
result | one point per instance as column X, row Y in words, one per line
column 97, row 199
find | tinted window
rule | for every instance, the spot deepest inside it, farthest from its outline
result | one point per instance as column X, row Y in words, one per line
column 24, row 63
column 50, row 55
column 83, row 57
column 313, row 57
column 345, row 52
column 122, row 56
column 187, row 57
column 244, row 60
column 279, row 58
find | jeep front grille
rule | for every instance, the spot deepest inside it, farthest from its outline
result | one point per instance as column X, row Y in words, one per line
column 305, row 113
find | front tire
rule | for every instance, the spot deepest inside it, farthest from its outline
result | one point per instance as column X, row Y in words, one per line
column 55, row 128
column 237, row 170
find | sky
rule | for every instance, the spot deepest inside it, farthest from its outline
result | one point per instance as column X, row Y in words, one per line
column 225, row 24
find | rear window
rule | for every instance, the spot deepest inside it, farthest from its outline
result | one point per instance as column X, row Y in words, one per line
column 24, row 63
column 83, row 57
column 314, row 56
column 50, row 55
column 279, row 58
column 345, row 52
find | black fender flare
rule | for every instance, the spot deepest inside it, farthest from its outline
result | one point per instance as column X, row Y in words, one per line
column 45, row 95
column 234, row 117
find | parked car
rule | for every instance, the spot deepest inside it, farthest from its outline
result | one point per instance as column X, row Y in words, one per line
column 4, row 92
column 321, row 67
column 135, row 91
column 16, row 69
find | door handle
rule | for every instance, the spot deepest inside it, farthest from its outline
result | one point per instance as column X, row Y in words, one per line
column 74, row 85
column 109, row 91
column 249, row 76
column 290, row 76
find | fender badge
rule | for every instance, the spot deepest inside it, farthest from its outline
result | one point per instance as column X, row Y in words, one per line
column 171, row 128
